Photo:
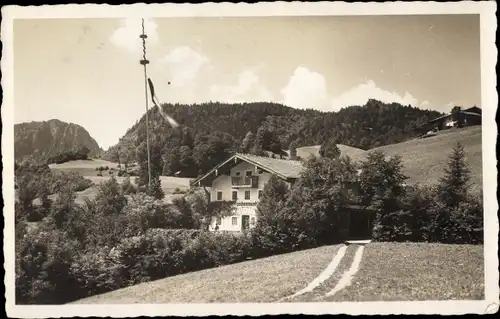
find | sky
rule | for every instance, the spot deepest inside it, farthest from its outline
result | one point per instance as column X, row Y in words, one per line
column 87, row 71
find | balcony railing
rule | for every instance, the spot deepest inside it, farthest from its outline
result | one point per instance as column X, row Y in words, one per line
column 245, row 181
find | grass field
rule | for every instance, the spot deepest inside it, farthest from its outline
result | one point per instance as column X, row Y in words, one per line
column 425, row 159
column 88, row 170
column 262, row 280
column 84, row 167
column 306, row 151
column 388, row 272
column 400, row 271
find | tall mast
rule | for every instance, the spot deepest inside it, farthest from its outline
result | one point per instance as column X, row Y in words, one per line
column 144, row 62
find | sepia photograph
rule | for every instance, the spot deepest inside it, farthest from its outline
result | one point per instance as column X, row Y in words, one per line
column 250, row 159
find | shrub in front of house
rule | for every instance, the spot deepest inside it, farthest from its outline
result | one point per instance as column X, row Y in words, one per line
column 43, row 262
column 217, row 249
column 161, row 253
column 96, row 272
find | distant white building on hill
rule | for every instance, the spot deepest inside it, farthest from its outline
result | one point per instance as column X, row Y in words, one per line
column 241, row 179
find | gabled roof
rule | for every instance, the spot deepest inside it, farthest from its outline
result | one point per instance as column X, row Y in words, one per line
column 470, row 111
column 474, row 109
column 283, row 168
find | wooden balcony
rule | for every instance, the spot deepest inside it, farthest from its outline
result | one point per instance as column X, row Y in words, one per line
column 245, row 182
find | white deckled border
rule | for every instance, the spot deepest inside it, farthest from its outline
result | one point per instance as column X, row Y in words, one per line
column 486, row 9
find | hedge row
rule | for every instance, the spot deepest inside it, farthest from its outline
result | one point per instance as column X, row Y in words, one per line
column 63, row 277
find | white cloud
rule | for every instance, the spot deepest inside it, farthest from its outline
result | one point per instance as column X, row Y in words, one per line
column 184, row 65
column 360, row 94
column 246, row 88
column 127, row 35
column 305, row 89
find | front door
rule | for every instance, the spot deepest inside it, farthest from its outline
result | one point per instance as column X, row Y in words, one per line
column 245, row 222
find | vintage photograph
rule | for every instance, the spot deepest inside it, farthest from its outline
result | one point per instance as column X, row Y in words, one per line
column 249, row 159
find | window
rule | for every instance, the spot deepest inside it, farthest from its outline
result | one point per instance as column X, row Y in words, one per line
column 235, row 195
column 247, row 194
column 259, row 171
column 237, row 173
column 219, row 221
column 249, row 173
column 219, row 195
column 234, row 221
column 261, row 192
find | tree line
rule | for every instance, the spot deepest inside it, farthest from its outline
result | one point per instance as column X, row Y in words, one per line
column 211, row 131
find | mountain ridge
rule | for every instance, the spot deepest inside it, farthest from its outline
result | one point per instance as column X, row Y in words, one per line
column 39, row 140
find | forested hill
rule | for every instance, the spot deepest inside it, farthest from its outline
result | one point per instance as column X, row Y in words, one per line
column 43, row 140
column 209, row 131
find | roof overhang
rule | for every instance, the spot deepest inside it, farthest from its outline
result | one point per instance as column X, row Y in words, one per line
column 233, row 160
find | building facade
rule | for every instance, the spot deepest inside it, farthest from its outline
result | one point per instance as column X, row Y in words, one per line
column 241, row 180
column 468, row 117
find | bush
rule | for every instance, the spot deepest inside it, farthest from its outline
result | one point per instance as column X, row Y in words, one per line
column 153, row 255
column 96, row 272
column 177, row 190
column 66, row 156
column 217, row 249
column 467, row 226
column 43, row 261
column 76, row 181
column 145, row 212
column 127, row 186
column 122, row 172
column 424, row 217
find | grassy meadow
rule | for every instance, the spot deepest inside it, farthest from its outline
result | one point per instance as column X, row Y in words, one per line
column 388, row 272
column 425, row 159
column 88, row 169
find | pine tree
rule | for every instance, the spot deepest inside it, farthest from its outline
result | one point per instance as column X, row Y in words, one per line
column 155, row 189
column 455, row 184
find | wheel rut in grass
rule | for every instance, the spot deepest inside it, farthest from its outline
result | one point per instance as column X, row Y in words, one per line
column 319, row 292
column 323, row 276
column 347, row 277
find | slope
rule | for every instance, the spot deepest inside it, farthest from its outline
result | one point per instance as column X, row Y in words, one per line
column 307, row 151
column 88, row 169
column 424, row 159
column 388, row 271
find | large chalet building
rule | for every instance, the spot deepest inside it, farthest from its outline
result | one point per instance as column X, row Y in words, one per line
column 241, row 179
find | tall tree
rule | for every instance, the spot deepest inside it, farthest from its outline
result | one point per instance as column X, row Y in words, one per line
column 381, row 178
column 171, row 162
column 330, row 149
column 454, row 186
column 248, row 142
column 211, row 149
column 27, row 192
column 293, row 150
column 155, row 189
column 115, row 156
